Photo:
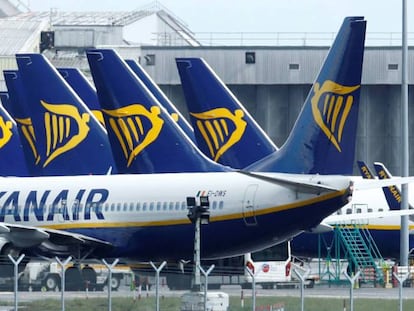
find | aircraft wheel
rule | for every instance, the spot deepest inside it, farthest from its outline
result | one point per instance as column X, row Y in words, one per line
column 115, row 283
column 89, row 278
column 73, row 279
column 51, row 283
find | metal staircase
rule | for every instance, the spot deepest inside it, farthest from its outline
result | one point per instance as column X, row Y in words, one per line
column 362, row 252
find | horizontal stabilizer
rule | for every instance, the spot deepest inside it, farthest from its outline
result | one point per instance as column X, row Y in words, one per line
column 300, row 186
column 321, row 228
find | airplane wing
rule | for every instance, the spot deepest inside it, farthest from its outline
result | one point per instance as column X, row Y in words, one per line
column 55, row 241
column 301, row 186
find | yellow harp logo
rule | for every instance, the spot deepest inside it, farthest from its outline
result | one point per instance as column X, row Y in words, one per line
column 216, row 127
column 6, row 130
column 331, row 104
column 26, row 127
column 65, row 128
column 132, row 129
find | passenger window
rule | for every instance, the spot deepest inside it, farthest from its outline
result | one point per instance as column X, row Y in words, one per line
column 164, row 206
column 144, row 206
column 151, row 207
column 158, row 206
column 221, row 205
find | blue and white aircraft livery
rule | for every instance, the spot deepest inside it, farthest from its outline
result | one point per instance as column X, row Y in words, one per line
column 144, row 216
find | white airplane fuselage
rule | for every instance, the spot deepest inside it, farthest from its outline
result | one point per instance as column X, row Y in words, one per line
column 145, row 216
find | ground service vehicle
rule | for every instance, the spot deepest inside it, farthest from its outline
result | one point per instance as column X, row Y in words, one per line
column 45, row 275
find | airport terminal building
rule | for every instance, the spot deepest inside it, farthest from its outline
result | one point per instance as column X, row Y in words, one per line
column 271, row 74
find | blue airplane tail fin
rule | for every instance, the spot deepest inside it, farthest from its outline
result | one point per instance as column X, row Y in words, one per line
column 392, row 193
column 322, row 140
column 18, row 109
column 69, row 140
column 224, row 130
column 14, row 162
column 144, row 137
column 364, row 170
column 86, row 91
column 161, row 97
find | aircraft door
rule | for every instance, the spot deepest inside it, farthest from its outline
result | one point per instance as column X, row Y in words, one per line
column 249, row 213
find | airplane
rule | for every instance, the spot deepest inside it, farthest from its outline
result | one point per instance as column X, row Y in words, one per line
column 224, row 129
column 367, row 204
column 58, row 134
column 144, row 216
column 208, row 100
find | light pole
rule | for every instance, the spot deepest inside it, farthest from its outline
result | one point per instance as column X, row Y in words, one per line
column 199, row 215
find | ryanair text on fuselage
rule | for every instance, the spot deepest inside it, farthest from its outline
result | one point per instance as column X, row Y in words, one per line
column 34, row 206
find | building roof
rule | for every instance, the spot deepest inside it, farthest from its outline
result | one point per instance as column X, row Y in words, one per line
column 109, row 18
column 58, row 19
column 19, row 35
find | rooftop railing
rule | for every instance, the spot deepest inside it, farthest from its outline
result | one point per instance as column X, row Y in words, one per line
column 279, row 38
